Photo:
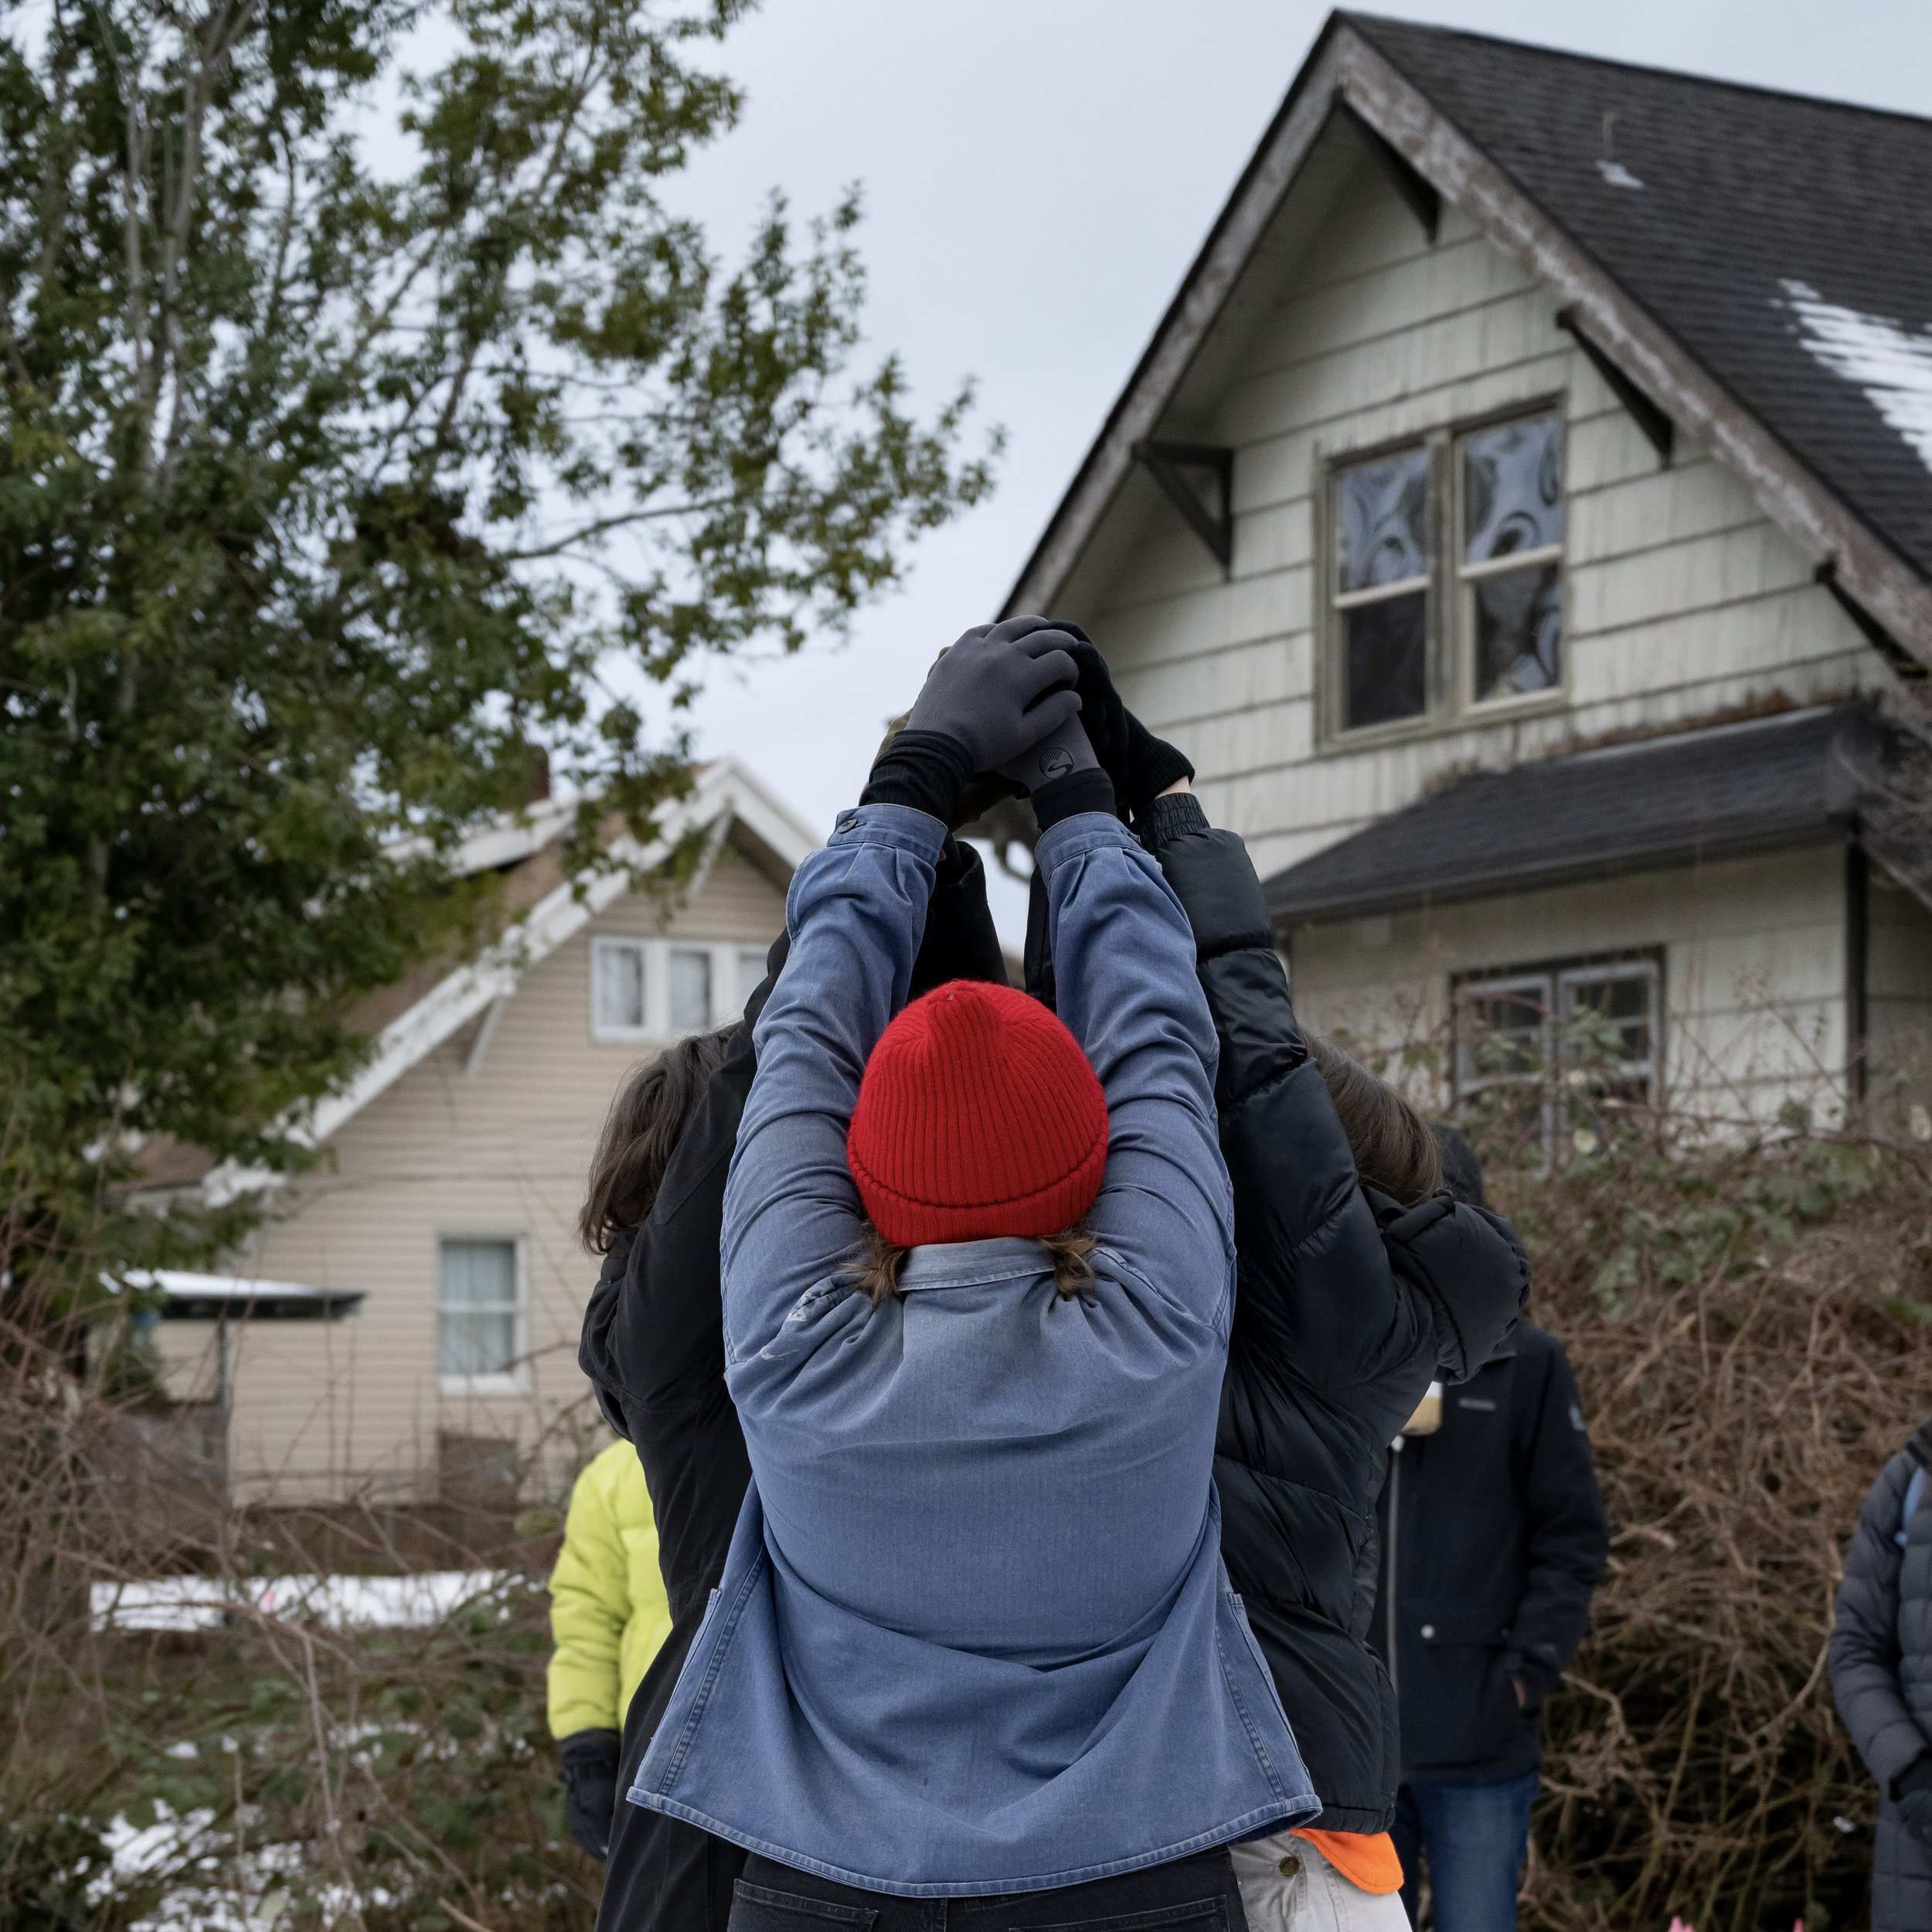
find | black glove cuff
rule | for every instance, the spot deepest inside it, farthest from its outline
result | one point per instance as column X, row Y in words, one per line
column 1089, row 789
column 1157, row 765
column 1915, row 1777
column 590, row 1750
column 1173, row 817
column 925, row 770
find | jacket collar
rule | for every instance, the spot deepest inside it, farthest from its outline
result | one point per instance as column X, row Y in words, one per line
column 962, row 1264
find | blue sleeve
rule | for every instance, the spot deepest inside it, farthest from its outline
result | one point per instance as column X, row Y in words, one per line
column 792, row 1214
column 1124, row 962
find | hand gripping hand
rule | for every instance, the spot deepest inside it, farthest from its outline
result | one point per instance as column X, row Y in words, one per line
column 1001, row 690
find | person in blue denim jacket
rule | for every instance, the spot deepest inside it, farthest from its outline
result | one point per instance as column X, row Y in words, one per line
column 974, row 1637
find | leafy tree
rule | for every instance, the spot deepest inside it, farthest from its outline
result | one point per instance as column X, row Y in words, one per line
column 361, row 404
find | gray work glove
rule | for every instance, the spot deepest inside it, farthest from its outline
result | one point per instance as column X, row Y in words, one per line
column 1064, row 750
column 1000, row 691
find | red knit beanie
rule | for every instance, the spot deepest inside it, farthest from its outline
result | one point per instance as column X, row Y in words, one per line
column 978, row 1115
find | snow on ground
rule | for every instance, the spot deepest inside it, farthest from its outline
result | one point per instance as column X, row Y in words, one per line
column 417, row 1602
column 1889, row 362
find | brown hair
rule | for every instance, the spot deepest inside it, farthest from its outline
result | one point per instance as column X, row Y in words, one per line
column 877, row 1271
column 1393, row 1149
column 646, row 1121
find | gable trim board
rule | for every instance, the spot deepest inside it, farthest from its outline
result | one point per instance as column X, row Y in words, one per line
column 1347, row 72
column 725, row 798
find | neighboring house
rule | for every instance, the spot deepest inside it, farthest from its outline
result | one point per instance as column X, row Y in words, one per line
column 406, row 1320
column 1523, row 516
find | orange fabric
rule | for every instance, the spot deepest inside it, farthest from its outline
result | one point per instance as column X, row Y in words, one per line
column 1369, row 1862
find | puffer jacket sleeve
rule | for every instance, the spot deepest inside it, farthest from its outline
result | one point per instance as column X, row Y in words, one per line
column 589, row 1605
column 1865, row 1634
column 1325, row 1286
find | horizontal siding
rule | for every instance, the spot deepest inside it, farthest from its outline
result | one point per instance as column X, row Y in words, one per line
column 1754, row 956
column 1682, row 600
column 502, row 1152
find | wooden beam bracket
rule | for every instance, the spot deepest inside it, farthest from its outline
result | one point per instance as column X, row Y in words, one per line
column 1909, row 669
column 1656, row 426
column 1167, row 463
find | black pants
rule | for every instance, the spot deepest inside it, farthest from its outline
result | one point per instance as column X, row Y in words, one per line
column 1196, row 1894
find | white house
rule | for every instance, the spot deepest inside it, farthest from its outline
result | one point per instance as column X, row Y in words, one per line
column 1522, row 515
column 409, row 1313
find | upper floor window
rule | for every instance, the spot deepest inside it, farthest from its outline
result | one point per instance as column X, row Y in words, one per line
column 1560, row 1054
column 1406, row 642
column 649, row 989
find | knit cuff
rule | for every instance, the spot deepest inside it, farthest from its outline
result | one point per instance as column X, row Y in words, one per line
column 1088, row 789
column 1169, row 817
column 925, row 770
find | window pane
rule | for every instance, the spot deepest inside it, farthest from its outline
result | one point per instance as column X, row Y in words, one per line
column 619, row 973
column 1386, row 657
column 1503, row 1034
column 690, row 989
column 1611, row 1017
column 1512, row 488
column 1382, row 520
column 475, row 1342
column 751, row 972
column 1519, row 621
column 478, row 1273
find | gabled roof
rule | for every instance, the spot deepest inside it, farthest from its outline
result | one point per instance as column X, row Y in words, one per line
column 1695, row 795
column 726, row 802
column 1758, row 265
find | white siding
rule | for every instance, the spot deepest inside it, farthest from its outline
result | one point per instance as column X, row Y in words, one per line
column 1682, row 600
column 324, row 1409
column 1754, row 967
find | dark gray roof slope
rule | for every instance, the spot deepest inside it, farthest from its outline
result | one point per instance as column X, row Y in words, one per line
column 1764, row 222
column 1662, row 801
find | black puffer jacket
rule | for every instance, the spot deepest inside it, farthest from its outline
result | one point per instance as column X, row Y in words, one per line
column 653, row 1347
column 1348, row 1306
column 1881, row 1658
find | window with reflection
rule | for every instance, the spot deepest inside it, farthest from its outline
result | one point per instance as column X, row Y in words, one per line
column 1383, row 572
column 1510, row 556
column 1493, row 608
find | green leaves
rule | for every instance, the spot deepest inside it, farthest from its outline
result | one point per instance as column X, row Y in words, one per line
column 360, row 424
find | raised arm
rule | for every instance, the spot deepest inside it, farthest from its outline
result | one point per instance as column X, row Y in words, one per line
column 854, row 914
column 1125, row 963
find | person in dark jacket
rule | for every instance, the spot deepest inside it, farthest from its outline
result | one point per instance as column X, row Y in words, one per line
column 1881, row 1658
column 653, row 1348
column 1493, row 1539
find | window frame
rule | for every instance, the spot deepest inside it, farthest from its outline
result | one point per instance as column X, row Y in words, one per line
column 1558, row 977
column 514, row 1380
column 1449, row 643
column 656, row 953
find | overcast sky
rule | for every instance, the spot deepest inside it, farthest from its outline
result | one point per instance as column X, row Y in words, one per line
column 1038, row 174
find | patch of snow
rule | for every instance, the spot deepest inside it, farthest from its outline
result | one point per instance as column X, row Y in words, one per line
column 417, row 1602
column 1618, row 174
column 1890, row 362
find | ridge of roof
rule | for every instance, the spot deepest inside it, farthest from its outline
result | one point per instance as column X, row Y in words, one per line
column 1678, row 290
column 1371, row 25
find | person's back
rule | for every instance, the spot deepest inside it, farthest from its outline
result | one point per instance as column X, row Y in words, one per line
column 974, row 1637
column 1881, row 1658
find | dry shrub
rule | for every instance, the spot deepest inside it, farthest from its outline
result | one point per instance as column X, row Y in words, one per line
column 276, row 1771
column 1752, row 1331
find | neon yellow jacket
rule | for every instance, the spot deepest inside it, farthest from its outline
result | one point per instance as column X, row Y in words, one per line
column 608, row 1613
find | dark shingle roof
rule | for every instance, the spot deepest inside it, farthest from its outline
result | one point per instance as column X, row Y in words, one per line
column 1762, row 219
column 1670, row 801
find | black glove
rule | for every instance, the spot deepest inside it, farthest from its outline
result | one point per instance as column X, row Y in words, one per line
column 589, row 1759
column 999, row 691
column 1912, row 1790
column 1152, row 765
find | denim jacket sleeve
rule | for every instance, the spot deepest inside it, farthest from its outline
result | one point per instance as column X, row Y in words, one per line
column 854, row 913
column 1123, row 955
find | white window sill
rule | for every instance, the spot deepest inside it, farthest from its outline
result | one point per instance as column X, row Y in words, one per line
column 502, row 1385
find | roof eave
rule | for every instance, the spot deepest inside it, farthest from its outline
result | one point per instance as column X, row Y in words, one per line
column 1345, row 69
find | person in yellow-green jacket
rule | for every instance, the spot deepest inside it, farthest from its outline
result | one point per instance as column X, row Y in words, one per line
column 608, row 1616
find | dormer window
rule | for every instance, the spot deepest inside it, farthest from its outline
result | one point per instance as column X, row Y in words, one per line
column 1415, row 636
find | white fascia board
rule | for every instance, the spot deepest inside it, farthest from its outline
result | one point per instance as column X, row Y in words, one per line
column 765, row 815
column 454, row 1001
